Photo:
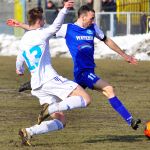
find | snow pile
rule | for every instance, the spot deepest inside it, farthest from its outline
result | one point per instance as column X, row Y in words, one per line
column 137, row 45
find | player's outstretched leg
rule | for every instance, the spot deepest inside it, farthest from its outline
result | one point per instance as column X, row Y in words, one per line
column 44, row 127
column 116, row 104
column 67, row 104
column 124, row 113
column 25, row 86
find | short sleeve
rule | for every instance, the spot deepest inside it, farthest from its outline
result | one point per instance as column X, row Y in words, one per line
column 62, row 31
column 99, row 33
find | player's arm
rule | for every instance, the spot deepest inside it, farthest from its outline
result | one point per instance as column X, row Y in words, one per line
column 112, row 45
column 15, row 23
column 20, row 64
column 56, row 25
column 62, row 32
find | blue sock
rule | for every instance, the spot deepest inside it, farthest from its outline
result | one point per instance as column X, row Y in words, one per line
column 120, row 108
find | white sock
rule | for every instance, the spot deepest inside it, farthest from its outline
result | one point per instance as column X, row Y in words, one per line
column 45, row 126
column 68, row 104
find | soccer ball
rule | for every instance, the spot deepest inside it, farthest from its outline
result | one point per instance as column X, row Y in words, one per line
column 147, row 129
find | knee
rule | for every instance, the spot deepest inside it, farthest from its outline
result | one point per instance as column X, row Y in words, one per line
column 108, row 91
column 88, row 100
column 59, row 116
column 79, row 91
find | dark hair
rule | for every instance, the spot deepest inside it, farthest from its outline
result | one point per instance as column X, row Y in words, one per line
column 84, row 9
column 34, row 14
column 50, row 2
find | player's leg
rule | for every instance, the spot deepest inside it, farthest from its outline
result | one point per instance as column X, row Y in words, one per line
column 77, row 99
column 58, row 123
column 71, row 95
column 79, row 91
column 69, row 103
column 107, row 90
column 91, row 80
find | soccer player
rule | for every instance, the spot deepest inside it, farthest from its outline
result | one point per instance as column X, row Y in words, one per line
column 55, row 93
column 82, row 34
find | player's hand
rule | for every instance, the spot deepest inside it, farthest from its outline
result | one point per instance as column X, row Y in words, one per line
column 131, row 60
column 13, row 23
column 68, row 3
column 19, row 73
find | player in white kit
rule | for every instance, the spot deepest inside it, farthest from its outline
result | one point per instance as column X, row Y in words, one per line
column 55, row 93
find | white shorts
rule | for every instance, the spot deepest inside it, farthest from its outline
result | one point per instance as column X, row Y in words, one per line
column 54, row 90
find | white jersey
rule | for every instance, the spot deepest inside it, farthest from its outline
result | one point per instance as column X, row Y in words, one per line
column 34, row 51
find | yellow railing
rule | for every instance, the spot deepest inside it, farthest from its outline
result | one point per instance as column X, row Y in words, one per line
column 132, row 6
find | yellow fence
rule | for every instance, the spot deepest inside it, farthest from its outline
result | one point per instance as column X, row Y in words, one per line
column 19, row 14
column 132, row 6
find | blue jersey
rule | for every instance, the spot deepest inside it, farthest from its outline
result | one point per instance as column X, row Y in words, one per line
column 80, row 42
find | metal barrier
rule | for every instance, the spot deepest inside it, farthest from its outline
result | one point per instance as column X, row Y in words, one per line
column 50, row 15
column 127, row 23
column 133, row 5
column 112, row 26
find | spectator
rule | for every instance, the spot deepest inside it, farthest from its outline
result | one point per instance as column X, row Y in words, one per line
column 70, row 18
column 108, row 6
column 51, row 5
column 143, row 23
column 51, row 12
column 62, row 5
column 90, row 3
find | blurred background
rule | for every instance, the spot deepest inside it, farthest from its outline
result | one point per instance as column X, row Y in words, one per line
column 114, row 17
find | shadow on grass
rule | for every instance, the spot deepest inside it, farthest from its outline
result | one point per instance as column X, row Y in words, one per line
column 115, row 138
column 95, row 139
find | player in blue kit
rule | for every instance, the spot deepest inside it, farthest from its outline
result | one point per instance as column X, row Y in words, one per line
column 80, row 41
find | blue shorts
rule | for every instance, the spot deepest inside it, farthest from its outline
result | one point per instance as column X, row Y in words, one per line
column 86, row 79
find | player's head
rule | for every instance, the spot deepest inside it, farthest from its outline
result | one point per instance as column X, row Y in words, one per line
column 87, row 15
column 34, row 15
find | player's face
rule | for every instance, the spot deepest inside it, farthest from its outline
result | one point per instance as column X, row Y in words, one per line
column 89, row 19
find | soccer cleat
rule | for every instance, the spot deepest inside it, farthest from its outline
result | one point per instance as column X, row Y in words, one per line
column 25, row 86
column 135, row 123
column 43, row 114
column 25, row 136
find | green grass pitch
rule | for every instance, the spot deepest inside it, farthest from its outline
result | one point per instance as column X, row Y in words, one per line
column 97, row 127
